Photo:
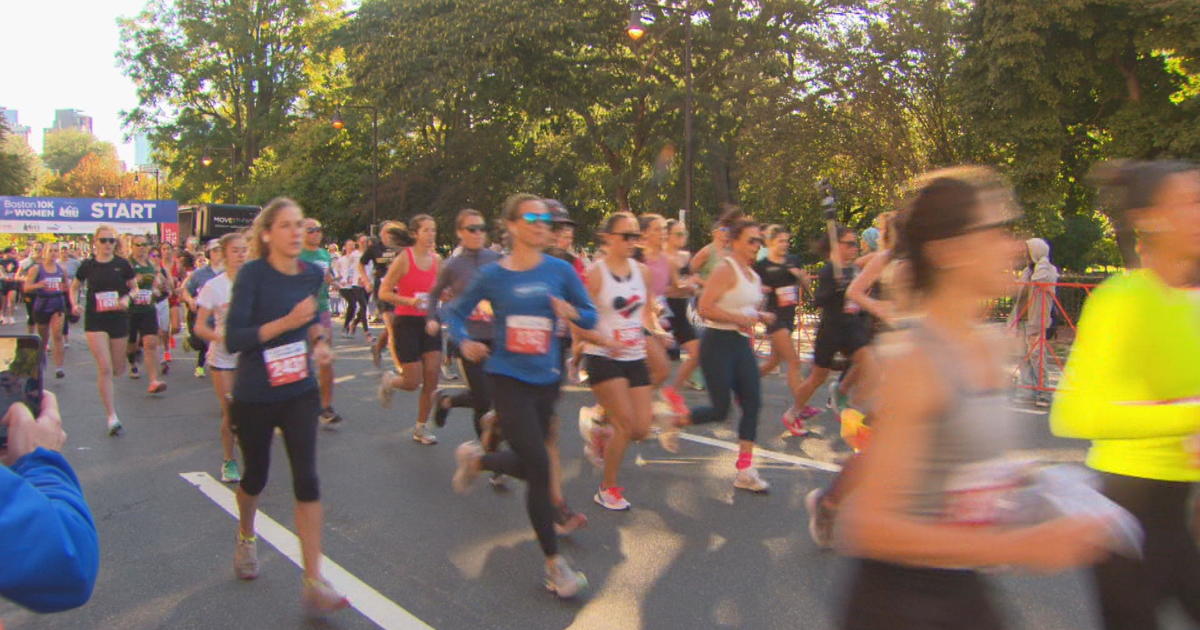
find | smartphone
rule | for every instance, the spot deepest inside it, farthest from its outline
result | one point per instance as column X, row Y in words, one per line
column 22, row 363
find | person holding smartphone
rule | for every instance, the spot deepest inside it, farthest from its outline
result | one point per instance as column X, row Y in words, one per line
column 109, row 280
column 47, row 535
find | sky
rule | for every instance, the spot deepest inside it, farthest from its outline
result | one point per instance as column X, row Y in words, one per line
column 61, row 54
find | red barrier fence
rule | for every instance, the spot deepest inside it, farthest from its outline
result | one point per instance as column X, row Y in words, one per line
column 1043, row 316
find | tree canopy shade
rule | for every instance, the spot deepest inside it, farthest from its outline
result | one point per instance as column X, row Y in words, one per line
column 476, row 99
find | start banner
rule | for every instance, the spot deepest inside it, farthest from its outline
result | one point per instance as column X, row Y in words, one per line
column 60, row 210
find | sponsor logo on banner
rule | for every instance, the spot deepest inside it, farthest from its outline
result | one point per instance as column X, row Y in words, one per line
column 101, row 210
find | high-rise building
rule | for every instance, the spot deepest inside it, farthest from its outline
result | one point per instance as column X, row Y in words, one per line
column 71, row 119
column 14, row 123
column 141, row 150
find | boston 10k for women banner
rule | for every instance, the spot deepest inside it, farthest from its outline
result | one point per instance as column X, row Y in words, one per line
column 59, row 215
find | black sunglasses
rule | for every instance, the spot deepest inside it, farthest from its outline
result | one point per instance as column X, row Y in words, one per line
column 852, row 243
column 475, row 229
column 1006, row 224
column 628, row 236
column 107, row 240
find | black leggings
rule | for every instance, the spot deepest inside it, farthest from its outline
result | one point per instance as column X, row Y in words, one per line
column 478, row 396
column 254, row 424
column 885, row 595
column 729, row 366
column 1131, row 590
column 194, row 340
column 525, row 413
column 356, row 307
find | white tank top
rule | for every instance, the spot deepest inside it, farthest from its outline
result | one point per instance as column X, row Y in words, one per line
column 619, row 310
column 744, row 297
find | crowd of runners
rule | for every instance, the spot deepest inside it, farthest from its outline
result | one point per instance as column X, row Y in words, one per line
column 903, row 346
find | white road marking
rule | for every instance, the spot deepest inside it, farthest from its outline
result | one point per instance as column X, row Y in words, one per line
column 1032, row 412
column 343, row 379
column 371, row 603
column 762, row 452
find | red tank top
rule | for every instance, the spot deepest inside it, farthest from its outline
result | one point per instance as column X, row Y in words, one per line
column 416, row 283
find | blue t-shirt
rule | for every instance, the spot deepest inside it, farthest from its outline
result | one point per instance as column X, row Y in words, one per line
column 525, row 346
column 261, row 295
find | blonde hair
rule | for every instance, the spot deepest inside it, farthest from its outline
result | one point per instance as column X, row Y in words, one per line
column 104, row 227
column 228, row 240
column 263, row 222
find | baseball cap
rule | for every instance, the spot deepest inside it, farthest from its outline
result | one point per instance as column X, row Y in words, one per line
column 558, row 212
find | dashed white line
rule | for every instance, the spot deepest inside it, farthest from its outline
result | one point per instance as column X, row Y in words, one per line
column 371, row 603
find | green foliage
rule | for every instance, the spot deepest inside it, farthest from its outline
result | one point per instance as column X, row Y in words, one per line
column 62, row 149
column 220, row 79
column 477, row 99
column 17, row 163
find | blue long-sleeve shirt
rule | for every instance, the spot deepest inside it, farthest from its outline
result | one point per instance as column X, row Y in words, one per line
column 261, row 295
column 49, row 549
column 517, row 296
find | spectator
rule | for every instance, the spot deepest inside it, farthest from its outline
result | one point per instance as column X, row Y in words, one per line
column 1032, row 315
column 48, row 539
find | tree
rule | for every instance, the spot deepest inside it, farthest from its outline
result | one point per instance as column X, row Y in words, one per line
column 99, row 176
column 220, row 78
column 62, row 149
column 17, row 163
column 1054, row 87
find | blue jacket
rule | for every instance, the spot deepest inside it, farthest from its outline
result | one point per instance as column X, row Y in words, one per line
column 49, row 550
column 523, row 298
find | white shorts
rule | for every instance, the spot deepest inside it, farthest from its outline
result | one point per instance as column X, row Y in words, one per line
column 163, row 310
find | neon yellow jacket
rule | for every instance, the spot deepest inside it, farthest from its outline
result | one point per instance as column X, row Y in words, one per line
column 1138, row 343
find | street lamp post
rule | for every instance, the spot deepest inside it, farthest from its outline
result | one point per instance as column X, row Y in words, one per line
column 340, row 124
column 636, row 29
column 206, row 160
column 137, row 177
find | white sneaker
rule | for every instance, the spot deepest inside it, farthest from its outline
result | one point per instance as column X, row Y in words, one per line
column 564, row 581
column 385, row 391
column 114, row 426
column 466, row 455
column 611, row 499
column 421, row 435
column 748, row 479
column 245, row 558
column 319, row 598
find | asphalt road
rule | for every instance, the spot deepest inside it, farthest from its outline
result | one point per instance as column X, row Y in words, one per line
column 691, row 553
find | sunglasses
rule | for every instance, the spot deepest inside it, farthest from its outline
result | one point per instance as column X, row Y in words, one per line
column 476, row 229
column 312, row 230
column 538, row 217
column 757, row 241
column 628, row 236
column 1006, row 224
column 850, row 243
column 106, row 240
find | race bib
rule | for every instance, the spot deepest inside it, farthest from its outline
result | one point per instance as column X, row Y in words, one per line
column 422, row 301
column 287, row 363
column 527, row 334
column 107, row 301
column 631, row 339
column 142, row 297
column 53, row 283
column 787, row 296
column 482, row 312
column 981, row 494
